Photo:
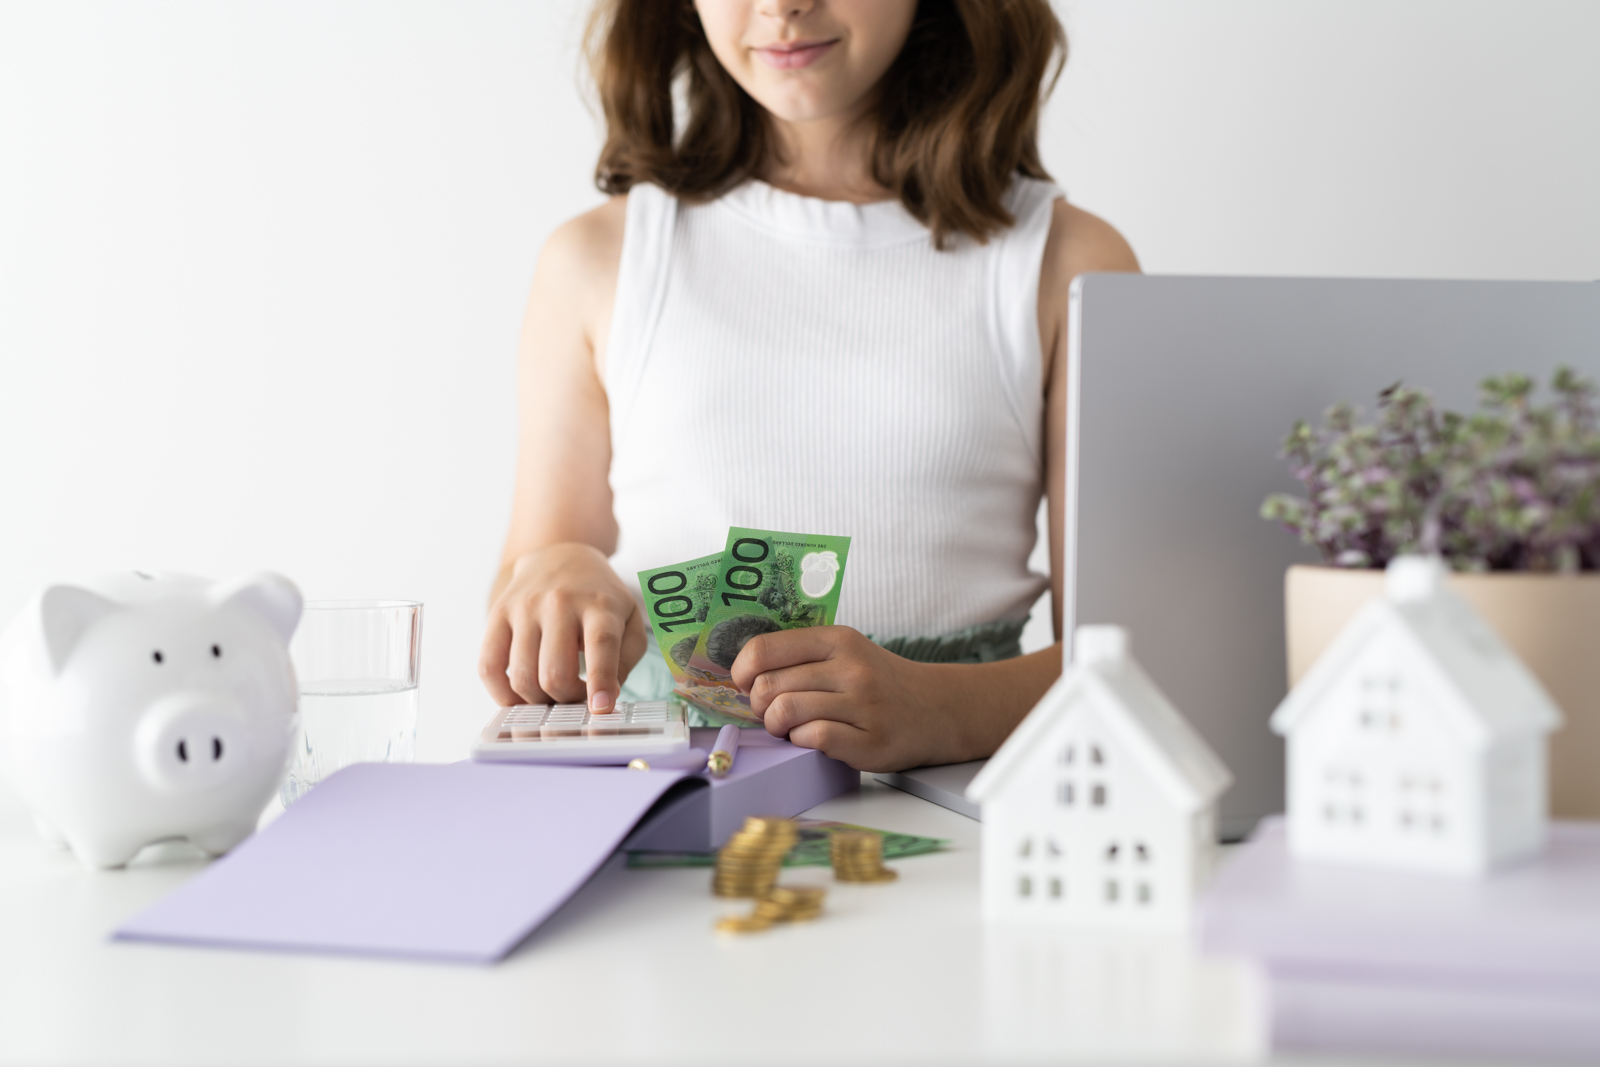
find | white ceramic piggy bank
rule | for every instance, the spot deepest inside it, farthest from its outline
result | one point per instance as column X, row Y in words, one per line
column 150, row 706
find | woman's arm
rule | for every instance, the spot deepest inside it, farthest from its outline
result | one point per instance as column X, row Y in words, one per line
column 830, row 688
column 555, row 594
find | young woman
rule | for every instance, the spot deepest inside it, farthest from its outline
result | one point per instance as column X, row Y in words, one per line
column 828, row 295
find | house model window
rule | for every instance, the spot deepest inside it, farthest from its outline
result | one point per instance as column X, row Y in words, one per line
column 1418, row 739
column 1100, row 809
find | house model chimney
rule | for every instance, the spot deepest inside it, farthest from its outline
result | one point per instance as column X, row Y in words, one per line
column 1410, row 579
column 1100, row 644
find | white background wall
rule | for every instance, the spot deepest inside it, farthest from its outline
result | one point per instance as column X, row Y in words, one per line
column 262, row 263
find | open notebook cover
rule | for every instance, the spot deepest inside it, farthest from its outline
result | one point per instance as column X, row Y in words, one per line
column 449, row 862
column 459, row 862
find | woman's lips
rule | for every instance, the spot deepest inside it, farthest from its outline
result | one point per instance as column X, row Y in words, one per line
column 796, row 55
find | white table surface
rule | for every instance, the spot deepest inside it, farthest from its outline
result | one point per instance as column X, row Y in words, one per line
column 628, row 971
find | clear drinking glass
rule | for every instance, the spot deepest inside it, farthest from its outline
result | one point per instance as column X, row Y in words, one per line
column 358, row 663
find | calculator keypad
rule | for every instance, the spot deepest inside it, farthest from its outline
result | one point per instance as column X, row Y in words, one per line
column 564, row 722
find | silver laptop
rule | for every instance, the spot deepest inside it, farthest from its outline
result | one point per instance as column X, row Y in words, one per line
column 1182, row 390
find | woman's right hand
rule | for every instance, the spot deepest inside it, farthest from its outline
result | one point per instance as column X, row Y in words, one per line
column 560, row 600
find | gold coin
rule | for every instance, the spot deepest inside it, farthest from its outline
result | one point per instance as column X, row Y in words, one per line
column 739, row 848
column 884, row 875
column 795, row 895
column 744, row 863
column 742, row 924
column 804, row 915
column 748, row 863
column 766, row 824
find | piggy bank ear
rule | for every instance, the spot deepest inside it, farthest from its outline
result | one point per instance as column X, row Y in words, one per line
column 65, row 614
column 271, row 596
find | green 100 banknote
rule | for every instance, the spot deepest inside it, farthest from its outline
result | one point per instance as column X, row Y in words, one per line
column 677, row 600
column 764, row 581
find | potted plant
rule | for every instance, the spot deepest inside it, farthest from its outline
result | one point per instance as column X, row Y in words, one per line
column 1509, row 496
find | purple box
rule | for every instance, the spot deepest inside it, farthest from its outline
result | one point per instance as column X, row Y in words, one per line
column 769, row 777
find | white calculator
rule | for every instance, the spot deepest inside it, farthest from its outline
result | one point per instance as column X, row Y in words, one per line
column 571, row 733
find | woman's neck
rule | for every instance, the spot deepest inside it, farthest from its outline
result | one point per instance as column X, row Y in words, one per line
column 829, row 159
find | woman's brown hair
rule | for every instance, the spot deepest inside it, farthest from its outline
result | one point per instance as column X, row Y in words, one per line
column 957, row 117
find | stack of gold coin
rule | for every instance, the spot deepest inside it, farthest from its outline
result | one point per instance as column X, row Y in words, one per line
column 779, row 904
column 748, row 864
column 858, row 857
column 790, row 904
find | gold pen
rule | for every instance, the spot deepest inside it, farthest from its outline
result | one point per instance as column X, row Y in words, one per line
column 720, row 762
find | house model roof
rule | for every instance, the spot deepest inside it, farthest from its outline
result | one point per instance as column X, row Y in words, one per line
column 1133, row 710
column 1496, row 695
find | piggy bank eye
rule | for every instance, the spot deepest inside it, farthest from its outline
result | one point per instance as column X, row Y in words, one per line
column 156, row 655
column 216, row 651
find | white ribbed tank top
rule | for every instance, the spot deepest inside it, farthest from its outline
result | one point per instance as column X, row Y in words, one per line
column 815, row 366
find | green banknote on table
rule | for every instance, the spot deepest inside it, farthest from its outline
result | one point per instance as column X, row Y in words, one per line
column 813, row 849
column 766, row 582
column 677, row 600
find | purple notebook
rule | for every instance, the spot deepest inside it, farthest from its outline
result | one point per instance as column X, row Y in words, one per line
column 411, row 860
column 1538, row 920
column 1370, row 960
column 1317, row 1012
column 406, row 859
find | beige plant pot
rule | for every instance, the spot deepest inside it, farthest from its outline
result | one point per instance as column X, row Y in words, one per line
column 1551, row 621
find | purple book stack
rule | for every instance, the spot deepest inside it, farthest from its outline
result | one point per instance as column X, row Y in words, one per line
column 1367, row 960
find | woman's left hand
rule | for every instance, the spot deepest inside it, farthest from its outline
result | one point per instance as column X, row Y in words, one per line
column 829, row 688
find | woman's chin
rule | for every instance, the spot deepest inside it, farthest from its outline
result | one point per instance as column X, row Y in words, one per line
column 798, row 102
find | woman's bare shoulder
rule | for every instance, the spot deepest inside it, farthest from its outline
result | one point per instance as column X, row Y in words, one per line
column 1080, row 242
column 575, row 284
column 587, row 247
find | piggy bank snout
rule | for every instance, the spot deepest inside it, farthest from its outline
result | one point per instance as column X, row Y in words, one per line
column 191, row 741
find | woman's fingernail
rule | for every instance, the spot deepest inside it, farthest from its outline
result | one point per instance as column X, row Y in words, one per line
column 600, row 702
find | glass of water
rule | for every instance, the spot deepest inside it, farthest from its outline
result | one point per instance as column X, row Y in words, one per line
column 358, row 663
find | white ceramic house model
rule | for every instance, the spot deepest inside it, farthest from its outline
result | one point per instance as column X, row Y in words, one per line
column 1100, row 809
column 1417, row 740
